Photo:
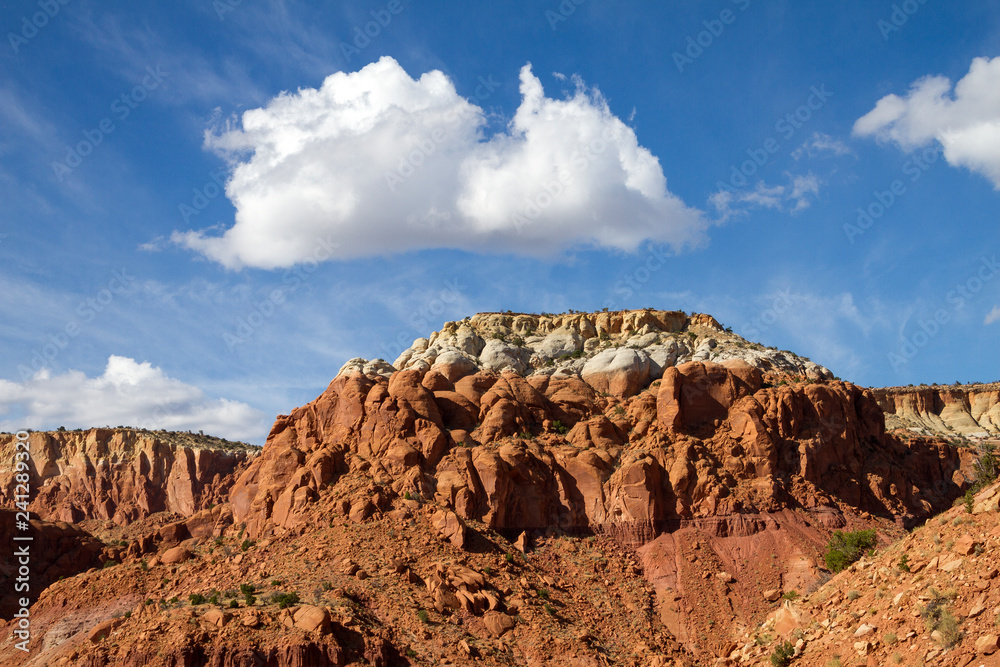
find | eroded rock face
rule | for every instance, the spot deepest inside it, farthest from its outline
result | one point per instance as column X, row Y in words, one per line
column 540, row 452
column 56, row 550
column 120, row 475
column 961, row 410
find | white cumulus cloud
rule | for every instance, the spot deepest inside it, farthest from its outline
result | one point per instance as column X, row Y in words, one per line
column 992, row 316
column 376, row 162
column 128, row 393
column 964, row 120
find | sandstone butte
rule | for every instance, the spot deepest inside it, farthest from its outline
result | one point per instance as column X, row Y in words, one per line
column 629, row 488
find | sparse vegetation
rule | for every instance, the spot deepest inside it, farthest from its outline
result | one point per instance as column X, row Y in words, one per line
column 937, row 617
column 285, row 600
column 791, row 595
column 559, row 427
column 783, row 654
column 904, row 563
column 853, row 595
column 196, row 599
column 846, row 548
column 423, row 616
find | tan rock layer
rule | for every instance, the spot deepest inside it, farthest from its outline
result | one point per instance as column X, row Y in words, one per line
column 962, row 410
column 119, row 475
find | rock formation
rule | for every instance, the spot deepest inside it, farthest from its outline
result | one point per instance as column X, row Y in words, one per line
column 122, row 475
column 969, row 411
column 630, row 488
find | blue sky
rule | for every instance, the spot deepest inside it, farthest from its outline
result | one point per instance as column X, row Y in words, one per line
column 210, row 206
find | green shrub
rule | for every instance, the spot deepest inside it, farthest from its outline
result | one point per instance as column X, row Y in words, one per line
column 968, row 500
column 109, row 563
column 196, row 599
column 987, row 466
column 247, row 589
column 845, row 548
column 246, row 544
column 938, row 617
column 791, row 595
column 904, row 563
column 783, row 654
column 285, row 600
column 543, row 593
column 549, row 609
column 559, row 427
column 423, row 616
column 233, row 604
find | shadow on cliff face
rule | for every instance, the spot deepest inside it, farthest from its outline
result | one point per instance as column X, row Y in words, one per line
column 55, row 551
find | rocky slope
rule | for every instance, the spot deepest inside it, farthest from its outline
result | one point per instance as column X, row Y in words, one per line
column 631, row 488
column 932, row 598
column 56, row 551
column 966, row 411
column 123, row 475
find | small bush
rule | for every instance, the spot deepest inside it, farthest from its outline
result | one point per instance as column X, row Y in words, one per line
column 846, row 548
column 904, row 563
column 196, row 599
column 109, row 563
column 423, row 616
column 233, row 604
column 549, row 609
column 853, row 595
column 144, row 565
column 559, row 427
column 791, row 595
column 509, row 558
column 890, row 638
column 285, row 600
column 783, row 654
column 937, row 617
column 969, row 500
column 543, row 593
column 246, row 544
column 326, row 586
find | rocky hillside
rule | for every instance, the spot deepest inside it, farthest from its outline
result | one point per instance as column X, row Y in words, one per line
column 931, row 598
column 633, row 488
column 962, row 411
column 123, row 475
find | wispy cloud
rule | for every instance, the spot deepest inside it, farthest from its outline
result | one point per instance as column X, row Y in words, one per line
column 821, row 145
column 992, row 316
column 794, row 197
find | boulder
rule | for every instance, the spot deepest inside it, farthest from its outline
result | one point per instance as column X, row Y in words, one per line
column 175, row 555
column 620, row 372
column 312, row 619
column 497, row 623
column 450, row 527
